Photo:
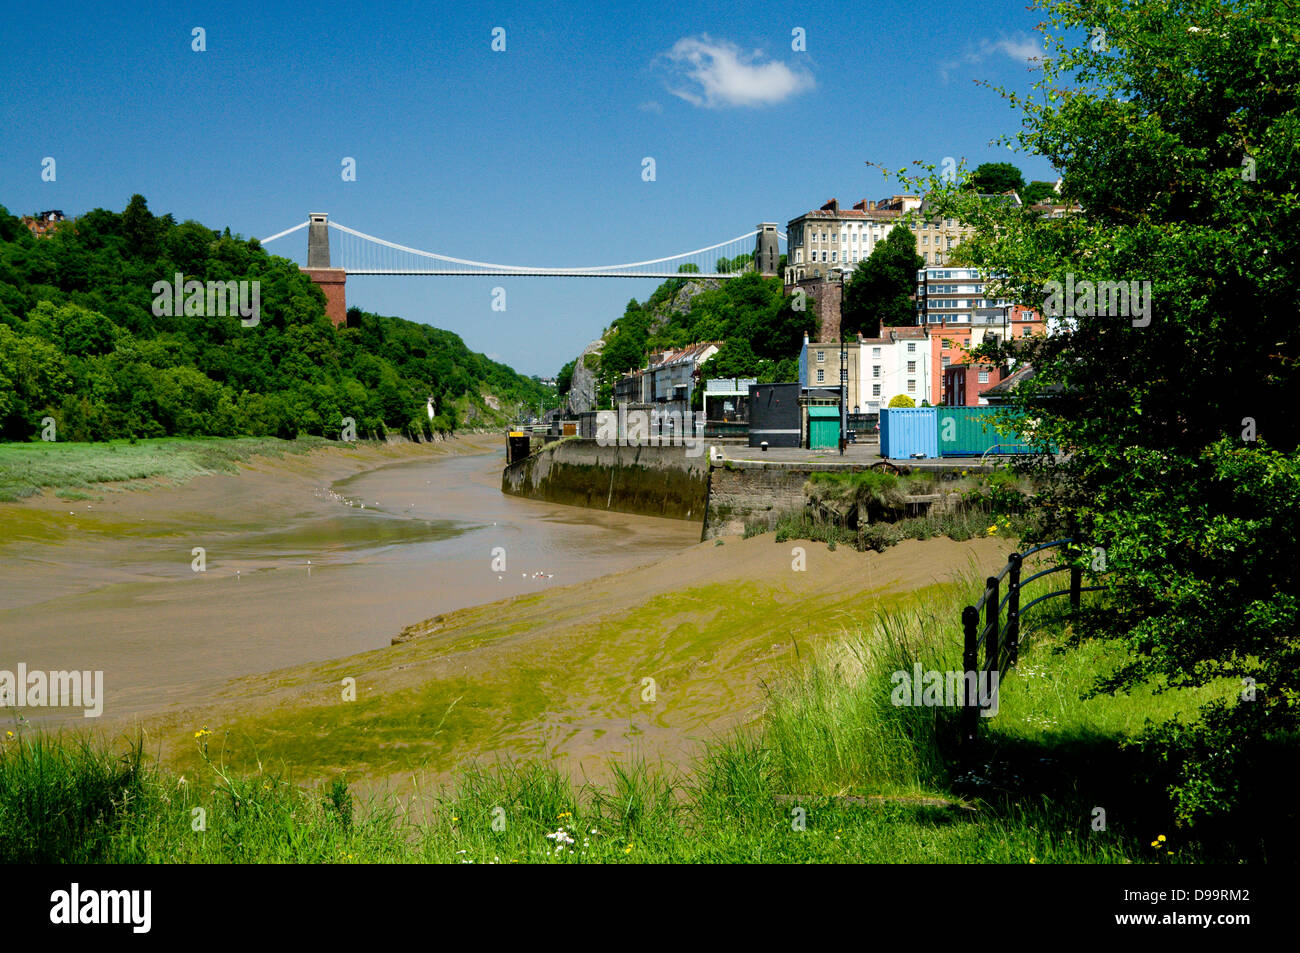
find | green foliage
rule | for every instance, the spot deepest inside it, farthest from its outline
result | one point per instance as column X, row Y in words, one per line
column 759, row 328
column 994, row 178
column 1037, row 191
column 882, row 288
column 564, row 380
column 901, row 400
column 79, row 342
column 1178, row 142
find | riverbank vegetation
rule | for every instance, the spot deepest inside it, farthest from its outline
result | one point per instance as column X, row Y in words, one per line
column 873, row 510
column 834, row 772
column 84, row 357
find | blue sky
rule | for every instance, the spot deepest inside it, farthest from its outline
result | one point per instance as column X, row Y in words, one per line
column 528, row 156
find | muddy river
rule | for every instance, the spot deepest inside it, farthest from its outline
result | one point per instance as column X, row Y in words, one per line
column 167, row 588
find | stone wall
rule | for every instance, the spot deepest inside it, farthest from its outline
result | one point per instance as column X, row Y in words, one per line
column 649, row 481
column 740, row 490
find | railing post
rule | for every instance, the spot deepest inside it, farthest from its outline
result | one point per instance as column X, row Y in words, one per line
column 1013, row 610
column 970, row 619
column 992, row 618
column 1076, row 584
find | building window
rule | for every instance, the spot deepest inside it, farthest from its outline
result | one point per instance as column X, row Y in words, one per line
column 1026, row 331
column 875, row 352
column 945, row 361
column 984, row 377
column 875, row 370
column 911, row 385
column 821, row 375
column 911, row 347
column 833, row 254
column 875, row 390
column 821, row 356
column 911, row 367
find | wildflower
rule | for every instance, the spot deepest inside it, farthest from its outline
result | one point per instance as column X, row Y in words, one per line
column 1161, row 838
column 202, row 732
column 627, row 849
column 561, row 838
column 1032, row 861
column 993, row 529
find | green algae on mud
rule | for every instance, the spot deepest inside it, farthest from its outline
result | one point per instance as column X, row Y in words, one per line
column 487, row 686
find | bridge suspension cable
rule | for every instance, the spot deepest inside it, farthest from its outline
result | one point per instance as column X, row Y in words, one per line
column 361, row 254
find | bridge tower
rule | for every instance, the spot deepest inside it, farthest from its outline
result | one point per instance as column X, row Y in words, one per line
column 332, row 281
column 767, row 251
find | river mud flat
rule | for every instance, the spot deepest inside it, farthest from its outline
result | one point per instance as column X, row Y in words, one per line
column 293, row 559
column 440, row 622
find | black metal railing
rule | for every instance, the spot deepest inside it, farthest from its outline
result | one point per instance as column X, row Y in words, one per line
column 1000, row 641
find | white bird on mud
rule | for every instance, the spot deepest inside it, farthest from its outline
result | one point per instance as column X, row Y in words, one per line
column 429, row 407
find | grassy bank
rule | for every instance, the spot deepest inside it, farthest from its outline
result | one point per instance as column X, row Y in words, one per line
column 74, row 470
column 833, row 772
column 70, row 469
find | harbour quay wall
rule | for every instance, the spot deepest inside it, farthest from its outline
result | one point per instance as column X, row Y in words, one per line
column 646, row 480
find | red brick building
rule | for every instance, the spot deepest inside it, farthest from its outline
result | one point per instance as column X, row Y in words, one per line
column 964, row 383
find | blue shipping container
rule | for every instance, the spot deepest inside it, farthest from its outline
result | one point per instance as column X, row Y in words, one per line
column 905, row 431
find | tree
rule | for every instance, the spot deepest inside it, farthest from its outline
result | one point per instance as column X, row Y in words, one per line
column 901, row 400
column 1037, row 192
column 883, row 286
column 994, row 178
column 1178, row 141
column 564, row 380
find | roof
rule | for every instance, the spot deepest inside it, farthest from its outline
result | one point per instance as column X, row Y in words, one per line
column 898, row 334
column 816, row 411
column 1007, row 386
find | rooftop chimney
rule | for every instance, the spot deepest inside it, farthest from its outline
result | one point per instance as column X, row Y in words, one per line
column 832, row 206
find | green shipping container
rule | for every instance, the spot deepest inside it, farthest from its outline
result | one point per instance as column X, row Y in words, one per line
column 824, row 428
column 970, row 432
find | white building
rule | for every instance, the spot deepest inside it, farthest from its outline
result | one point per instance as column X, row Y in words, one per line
column 897, row 362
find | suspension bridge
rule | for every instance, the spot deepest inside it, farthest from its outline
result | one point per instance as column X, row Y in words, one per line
column 362, row 254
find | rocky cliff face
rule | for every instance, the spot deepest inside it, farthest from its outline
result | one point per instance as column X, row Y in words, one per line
column 582, row 392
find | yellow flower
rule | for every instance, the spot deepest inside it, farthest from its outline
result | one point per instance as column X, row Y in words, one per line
column 1155, row 843
column 993, row 529
column 202, row 732
column 9, row 734
column 627, row 849
column 455, row 818
column 1032, row 861
column 1161, row 838
column 565, row 814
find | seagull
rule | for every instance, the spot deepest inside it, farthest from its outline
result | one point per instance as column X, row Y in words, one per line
column 429, row 407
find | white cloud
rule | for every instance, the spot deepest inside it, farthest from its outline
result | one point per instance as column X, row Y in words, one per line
column 651, row 106
column 715, row 73
column 1023, row 48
